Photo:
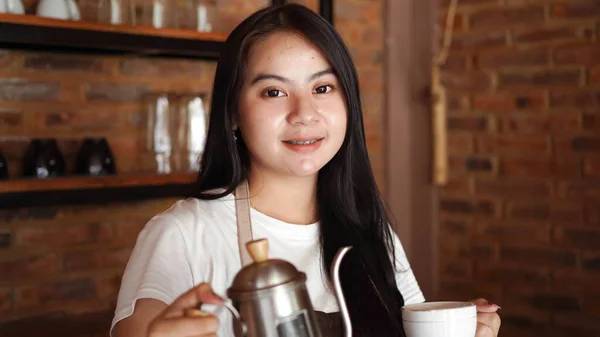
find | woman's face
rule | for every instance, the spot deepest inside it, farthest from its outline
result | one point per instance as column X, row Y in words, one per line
column 292, row 112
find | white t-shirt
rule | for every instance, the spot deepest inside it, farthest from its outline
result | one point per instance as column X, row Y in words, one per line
column 195, row 241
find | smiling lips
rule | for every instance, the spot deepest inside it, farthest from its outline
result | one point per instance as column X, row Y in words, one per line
column 303, row 145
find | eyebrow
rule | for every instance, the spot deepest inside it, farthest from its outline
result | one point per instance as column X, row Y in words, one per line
column 262, row 77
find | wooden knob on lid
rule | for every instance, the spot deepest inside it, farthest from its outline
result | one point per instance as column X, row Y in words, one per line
column 259, row 250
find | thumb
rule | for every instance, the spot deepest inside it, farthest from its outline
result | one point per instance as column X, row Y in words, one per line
column 484, row 306
column 202, row 293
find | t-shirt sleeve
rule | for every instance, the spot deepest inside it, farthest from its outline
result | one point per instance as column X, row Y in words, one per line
column 159, row 266
column 405, row 279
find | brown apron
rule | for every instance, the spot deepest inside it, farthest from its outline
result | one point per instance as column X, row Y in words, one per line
column 330, row 323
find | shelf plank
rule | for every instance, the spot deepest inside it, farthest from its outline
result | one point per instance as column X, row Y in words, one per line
column 84, row 190
column 34, row 32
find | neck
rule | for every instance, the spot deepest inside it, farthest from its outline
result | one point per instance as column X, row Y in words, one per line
column 289, row 199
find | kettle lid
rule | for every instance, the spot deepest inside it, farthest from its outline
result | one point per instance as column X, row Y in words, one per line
column 264, row 273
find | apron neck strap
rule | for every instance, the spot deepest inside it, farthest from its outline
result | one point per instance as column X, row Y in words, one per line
column 244, row 222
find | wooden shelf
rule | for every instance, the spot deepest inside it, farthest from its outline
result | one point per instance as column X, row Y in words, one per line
column 79, row 190
column 38, row 33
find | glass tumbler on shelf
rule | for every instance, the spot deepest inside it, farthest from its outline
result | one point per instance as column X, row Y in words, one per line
column 189, row 132
column 199, row 15
column 95, row 158
column 12, row 7
column 158, row 14
column 159, row 131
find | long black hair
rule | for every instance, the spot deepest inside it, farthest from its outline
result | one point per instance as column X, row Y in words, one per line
column 350, row 207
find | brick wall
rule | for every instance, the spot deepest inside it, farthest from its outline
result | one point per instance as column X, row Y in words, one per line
column 520, row 216
column 60, row 267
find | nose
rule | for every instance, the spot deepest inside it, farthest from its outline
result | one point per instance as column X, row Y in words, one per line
column 303, row 110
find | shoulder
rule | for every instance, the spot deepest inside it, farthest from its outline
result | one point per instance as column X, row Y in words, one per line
column 191, row 215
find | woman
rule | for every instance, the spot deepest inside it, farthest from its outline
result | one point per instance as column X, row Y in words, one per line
column 285, row 117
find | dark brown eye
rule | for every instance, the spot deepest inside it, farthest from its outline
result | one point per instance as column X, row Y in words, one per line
column 273, row 93
column 323, row 89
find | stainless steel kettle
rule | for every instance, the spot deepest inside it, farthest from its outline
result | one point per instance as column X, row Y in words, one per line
column 271, row 299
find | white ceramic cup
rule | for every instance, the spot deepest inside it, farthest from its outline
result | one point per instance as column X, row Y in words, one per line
column 440, row 319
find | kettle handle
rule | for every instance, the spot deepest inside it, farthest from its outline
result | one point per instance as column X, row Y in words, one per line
column 339, row 294
column 239, row 326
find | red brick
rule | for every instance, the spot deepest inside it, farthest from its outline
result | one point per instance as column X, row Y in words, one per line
column 577, row 324
column 22, row 90
column 108, row 286
column 594, row 75
column 453, row 289
column 591, row 262
column 456, row 63
column 64, row 291
column 5, row 59
column 576, row 9
column 462, row 206
column 574, row 280
column 459, row 142
column 578, row 189
column 588, row 54
column 592, row 213
column 541, row 300
column 478, row 41
column 62, row 235
column 97, row 259
column 467, row 123
column 6, row 299
column 506, row 16
column 359, row 12
column 541, row 257
column 519, row 144
column 55, row 62
column 457, row 186
column 541, row 123
column 541, row 78
column 458, row 21
column 127, row 231
column 457, row 101
column 473, row 164
column 459, row 269
column 445, row 3
column 466, row 81
column 11, row 119
column 559, row 212
column 580, row 238
column 28, row 266
column 460, row 247
column 576, row 99
column 116, row 92
column 163, row 68
column 458, row 227
column 508, row 275
column 513, row 59
column 529, row 35
column 510, row 232
column 591, row 167
column 512, row 188
column 540, row 167
column 507, row 101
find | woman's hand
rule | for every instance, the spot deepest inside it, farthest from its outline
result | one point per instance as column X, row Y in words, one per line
column 488, row 321
column 175, row 322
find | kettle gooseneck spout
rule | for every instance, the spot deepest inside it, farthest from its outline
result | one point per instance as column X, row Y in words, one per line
column 339, row 294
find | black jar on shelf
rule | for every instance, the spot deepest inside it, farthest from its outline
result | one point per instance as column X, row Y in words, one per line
column 3, row 167
column 95, row 158
column 43, row 159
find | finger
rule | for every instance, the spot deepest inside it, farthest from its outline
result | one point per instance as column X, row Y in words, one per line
column 484, row 306
column 484, row 331
column 185, row 326
column 491, row 320
column 192, row 299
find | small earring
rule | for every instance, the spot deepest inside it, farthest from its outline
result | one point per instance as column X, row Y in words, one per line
column 234, row 135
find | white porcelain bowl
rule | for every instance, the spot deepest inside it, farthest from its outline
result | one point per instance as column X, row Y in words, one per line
column 440, row 319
